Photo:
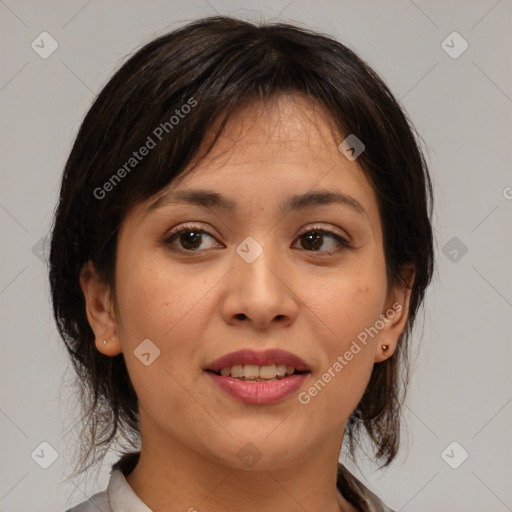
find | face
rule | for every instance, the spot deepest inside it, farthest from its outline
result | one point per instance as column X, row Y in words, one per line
column 201, row 281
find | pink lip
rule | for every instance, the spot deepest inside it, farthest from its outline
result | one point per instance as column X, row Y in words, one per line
column 259, row 392
column 260, row 358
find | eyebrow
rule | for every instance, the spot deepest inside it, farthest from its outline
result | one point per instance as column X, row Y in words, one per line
column 211, row 199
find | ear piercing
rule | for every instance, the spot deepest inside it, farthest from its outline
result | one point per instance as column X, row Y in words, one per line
column 385, row 348
column 105, row 342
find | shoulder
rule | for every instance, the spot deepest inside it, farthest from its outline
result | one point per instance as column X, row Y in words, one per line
column 358, row 494
column 98, row 503
column 118, row 496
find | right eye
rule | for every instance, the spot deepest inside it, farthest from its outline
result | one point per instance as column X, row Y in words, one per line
column 190, row 238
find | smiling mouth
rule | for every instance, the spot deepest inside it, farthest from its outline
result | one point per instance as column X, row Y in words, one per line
column 257, row 373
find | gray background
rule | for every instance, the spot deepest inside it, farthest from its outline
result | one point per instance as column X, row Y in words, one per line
column 461, row 106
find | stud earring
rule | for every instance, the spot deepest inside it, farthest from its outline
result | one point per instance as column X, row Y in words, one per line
column 105, row 342
column 385, row 348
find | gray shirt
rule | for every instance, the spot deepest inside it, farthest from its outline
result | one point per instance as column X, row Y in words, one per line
column 120, row 497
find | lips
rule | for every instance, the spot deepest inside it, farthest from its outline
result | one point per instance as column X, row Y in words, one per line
column 293, row 373
column 259, row 393
column 260, row 358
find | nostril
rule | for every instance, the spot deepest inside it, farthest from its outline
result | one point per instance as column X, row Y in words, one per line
column 241, row 316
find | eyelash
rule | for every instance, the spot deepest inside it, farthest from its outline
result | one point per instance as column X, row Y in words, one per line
column 314, row 229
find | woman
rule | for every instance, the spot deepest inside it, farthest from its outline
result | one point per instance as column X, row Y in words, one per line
column 240, row 249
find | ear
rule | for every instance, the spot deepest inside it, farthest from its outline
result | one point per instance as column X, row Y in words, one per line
column 394, row 317
column 100, row 311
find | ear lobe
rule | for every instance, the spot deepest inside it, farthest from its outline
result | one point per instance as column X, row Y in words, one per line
column 100, row 311
column 394, row 318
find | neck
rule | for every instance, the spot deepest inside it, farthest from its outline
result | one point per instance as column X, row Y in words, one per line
column 175, row 478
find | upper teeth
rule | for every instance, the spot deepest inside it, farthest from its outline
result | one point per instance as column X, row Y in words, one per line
column 253, row 371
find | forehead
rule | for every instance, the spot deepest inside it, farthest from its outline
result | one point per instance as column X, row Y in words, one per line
column 287, row 144
column 271, row 151
column 287, row 127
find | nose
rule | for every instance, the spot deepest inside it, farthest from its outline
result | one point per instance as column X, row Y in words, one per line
column 260, row 293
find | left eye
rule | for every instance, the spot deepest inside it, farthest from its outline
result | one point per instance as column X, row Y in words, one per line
column 190, row 239
column 314, row 239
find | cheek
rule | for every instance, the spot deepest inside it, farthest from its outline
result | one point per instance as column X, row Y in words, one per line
column 349, row 351
column 171, row 306
column 144, row 295
column 167, row 307
column 153, row 298
column 350, row 313
column 350, row 309
column 346, row 308
column 347, row 305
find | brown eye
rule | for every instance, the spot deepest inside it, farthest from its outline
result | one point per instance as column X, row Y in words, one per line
column 313, row 240
column 189, row 239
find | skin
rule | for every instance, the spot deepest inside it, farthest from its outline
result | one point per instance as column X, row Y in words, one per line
column 198, row 306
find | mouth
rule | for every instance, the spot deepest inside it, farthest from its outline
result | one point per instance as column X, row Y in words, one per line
column 256, row 373
column 253, row 364
column 259, row 377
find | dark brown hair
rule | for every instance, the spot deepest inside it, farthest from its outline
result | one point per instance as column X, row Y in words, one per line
column 216, row 66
